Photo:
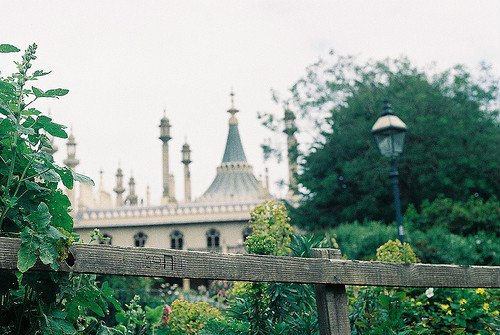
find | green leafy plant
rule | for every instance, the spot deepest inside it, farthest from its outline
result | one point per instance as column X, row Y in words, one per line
column 270, row 308
column 381, row 310
column 34, row 209
column 396, row 252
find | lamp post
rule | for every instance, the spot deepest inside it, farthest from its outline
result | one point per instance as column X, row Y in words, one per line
column 389, row 132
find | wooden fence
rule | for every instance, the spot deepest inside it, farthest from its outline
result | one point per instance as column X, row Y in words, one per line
column 326, row 270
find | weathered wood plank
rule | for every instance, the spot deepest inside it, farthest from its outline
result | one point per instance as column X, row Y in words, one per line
column 331, row 301
column 101, row 259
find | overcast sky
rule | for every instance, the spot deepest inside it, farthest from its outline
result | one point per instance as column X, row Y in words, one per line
column 125, row 61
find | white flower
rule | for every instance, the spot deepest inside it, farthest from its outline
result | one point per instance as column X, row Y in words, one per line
column 429, row 292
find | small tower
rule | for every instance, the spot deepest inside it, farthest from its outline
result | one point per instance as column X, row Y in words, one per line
column 132, row 197
column 292, row 150
column 165, row 126
column 148, row 196
column 186, row 160
column 71, row 162
column 119, row 189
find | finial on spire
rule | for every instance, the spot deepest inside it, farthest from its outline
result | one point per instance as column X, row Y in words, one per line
column 232, row 97
column 232, row 110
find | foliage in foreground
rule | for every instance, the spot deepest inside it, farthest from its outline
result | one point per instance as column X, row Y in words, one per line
column 270, row 308
column 34, row 209
column 380, row 310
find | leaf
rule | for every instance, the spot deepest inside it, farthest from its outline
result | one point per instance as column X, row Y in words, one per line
column 65, row 174
column 23, row 130
column 40, row 73
column 40, row 218
column 58, row 323
column 32, row 186
column 6, row 48
column 26, row 258
column 37, row 92
column 52, row 128
column 57, row 92
column 82, row 178
column 7, row 87
column 58, row 206
column 6, row 126
column 52, row 93
column 48, row 254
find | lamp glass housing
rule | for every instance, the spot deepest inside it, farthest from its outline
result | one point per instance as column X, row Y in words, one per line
column 390, row 143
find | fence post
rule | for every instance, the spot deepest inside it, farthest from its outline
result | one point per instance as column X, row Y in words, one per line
column 331, row 301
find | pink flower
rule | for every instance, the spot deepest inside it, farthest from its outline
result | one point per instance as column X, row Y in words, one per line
column 168, row 310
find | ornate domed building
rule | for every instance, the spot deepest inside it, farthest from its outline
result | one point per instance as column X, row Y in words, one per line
column 216, row 221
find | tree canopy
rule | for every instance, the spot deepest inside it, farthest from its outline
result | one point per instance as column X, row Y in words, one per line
column 451, row 149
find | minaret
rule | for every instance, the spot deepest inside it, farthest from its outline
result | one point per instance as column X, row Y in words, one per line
column 71, row 162
column 101, row 187
column 165, row 137
column 132, row 197
column 292, row 150
column 119, row 189
column 148, row 196
column 186, row 160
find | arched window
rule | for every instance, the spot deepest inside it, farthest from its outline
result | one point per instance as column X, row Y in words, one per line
column 176, row 240
column 246, row 232
column 105, row 239
column 140, row 239
column 213, row 238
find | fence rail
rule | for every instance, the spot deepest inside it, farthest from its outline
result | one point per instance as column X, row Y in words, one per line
column 326, row 270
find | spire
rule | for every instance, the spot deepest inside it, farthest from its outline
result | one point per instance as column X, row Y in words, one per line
column 234, row 180
column 234, row 149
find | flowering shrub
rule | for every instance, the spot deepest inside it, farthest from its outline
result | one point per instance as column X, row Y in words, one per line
column 375, row 310
column 271, row 230
column 396, row 252
column 270, row 308
column 187, row 318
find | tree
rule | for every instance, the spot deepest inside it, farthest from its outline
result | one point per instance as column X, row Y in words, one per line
column 451, row 148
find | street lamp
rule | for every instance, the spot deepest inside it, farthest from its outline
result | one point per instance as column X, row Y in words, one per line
column 389, row 132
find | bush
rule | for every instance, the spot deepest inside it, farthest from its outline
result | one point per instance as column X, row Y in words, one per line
column 396, row 252
column 437, row 245
column 376, row 310
column 187, row 318
column 360, row 241
column 458, row 217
